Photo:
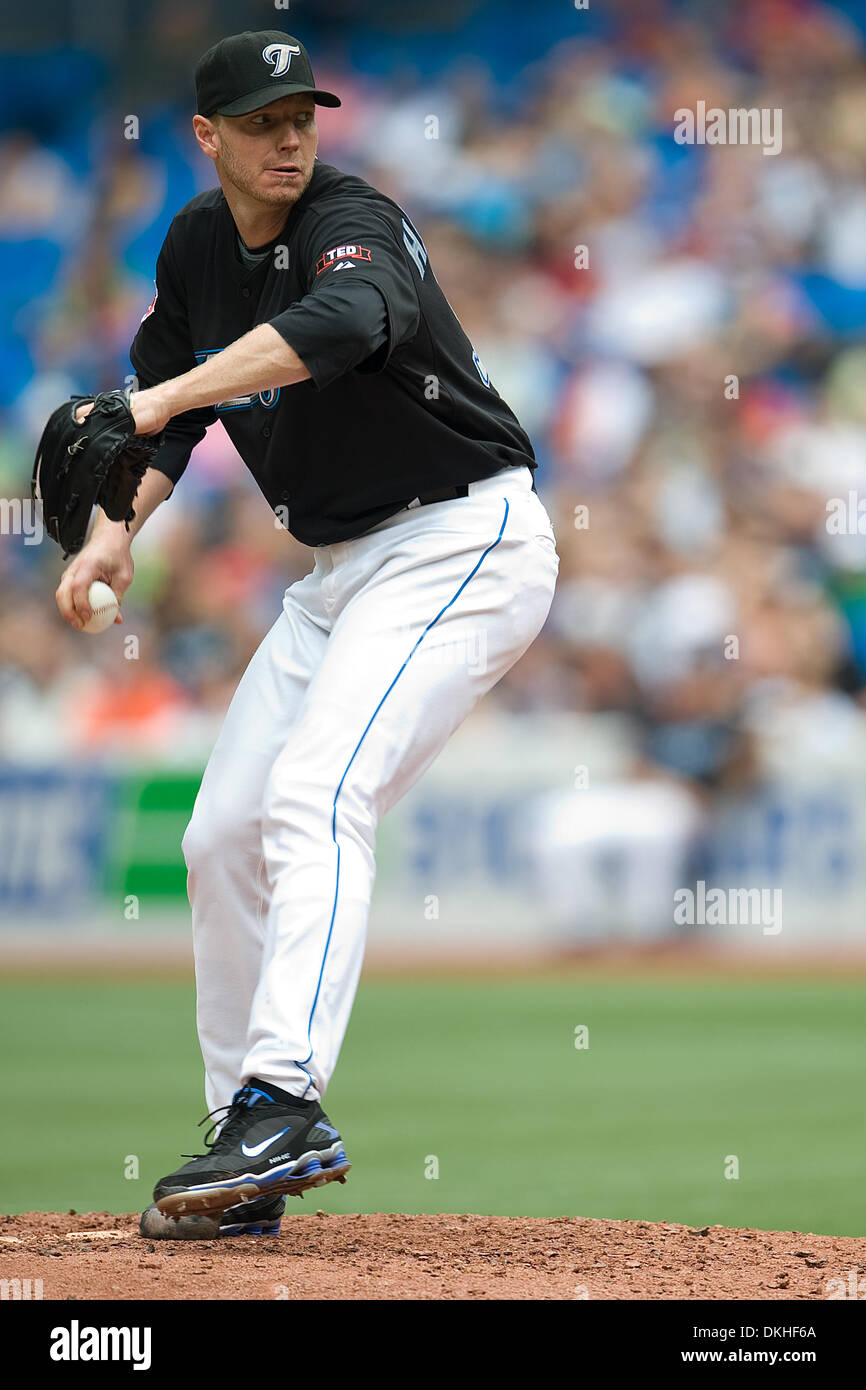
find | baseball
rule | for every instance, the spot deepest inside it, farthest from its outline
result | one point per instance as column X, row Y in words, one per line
column 103, row 601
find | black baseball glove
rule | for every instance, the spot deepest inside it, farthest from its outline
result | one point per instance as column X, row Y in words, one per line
column 99, row 461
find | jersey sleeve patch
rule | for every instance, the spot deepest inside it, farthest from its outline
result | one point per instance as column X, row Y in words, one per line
column 346, row 251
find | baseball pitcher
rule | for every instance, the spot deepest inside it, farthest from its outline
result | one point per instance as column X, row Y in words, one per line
column 297, row 305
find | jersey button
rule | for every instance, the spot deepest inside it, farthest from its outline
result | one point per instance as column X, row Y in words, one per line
column 284, row 497
column 266, row 432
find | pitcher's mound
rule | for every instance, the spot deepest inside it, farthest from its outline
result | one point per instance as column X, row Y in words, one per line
column 455, row 1257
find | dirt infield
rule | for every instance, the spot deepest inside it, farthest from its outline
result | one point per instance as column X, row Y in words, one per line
column 99, row 1255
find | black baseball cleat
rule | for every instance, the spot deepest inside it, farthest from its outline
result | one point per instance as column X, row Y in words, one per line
column 270, row 1143
column 260, row 1218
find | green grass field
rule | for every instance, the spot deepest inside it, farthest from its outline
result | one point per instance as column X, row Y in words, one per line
column 485, row 1078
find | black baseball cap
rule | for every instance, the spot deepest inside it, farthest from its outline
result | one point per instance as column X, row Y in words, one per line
column 247, row 71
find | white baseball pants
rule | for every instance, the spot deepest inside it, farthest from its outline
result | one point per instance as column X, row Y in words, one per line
column 378, row 655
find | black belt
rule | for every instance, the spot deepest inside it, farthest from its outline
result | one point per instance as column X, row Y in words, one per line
column 445, row 494
column 448, row 494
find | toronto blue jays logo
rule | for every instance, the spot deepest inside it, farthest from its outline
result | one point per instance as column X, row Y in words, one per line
column 481, row 369
column 149, row 310
column 280, row 55
column 267, row 398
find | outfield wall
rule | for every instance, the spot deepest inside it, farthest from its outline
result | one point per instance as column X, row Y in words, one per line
column 528, row 831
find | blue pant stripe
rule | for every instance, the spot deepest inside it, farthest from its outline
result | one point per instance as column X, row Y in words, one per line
column 427, row 629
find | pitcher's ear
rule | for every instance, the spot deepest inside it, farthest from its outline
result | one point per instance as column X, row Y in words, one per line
column 206, row 130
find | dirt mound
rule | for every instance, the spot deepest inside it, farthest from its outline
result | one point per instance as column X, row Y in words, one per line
column 317, row 1255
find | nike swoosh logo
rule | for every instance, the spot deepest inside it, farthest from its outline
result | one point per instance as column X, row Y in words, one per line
column 265, row 1144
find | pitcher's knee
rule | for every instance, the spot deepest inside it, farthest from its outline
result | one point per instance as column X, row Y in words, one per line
column 294, row 804
column 298, row 804
column 216, row 834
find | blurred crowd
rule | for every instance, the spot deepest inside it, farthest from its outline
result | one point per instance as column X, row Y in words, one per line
column 691, row 380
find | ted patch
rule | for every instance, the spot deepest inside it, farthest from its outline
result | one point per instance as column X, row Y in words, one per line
column 348, row 251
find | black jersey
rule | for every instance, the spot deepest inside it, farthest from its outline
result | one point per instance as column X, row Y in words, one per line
column 375, row 426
